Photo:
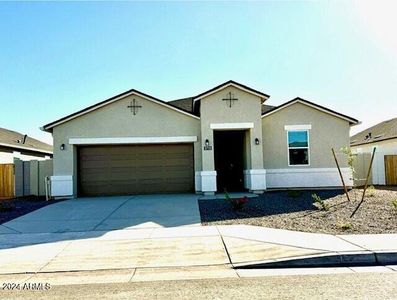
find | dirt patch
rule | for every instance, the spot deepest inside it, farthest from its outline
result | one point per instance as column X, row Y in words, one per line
column 14, row 208
column 295, row 211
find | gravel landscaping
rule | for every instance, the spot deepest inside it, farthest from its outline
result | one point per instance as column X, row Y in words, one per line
column 295, row 211
column 14, row 208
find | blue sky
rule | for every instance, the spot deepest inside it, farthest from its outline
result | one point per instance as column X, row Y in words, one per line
column 56, row 58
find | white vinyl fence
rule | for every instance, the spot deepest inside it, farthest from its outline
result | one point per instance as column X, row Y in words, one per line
column 361, row 165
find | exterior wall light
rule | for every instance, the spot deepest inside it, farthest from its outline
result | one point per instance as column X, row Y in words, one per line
column 62, row 147
column 207, row 145
column 256, row 141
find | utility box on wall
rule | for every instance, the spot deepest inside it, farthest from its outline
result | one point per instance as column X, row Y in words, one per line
column 62, row 186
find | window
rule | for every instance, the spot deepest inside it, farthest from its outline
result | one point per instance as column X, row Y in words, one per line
column 298, row 147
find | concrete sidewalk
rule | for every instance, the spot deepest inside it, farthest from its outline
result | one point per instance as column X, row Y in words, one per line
column 228, row 247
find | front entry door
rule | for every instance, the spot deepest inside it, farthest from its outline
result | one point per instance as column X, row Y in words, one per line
column 229, row 160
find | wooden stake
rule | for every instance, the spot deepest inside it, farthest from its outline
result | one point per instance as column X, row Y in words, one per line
column 366, row 182
column 340, row 174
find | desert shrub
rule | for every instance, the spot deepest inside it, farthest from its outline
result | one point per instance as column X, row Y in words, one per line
column 294, row 194
column 237, row 203
column 319, row 203
column 394, row 203
column 345, row 226
column 371, row 191
column 6, row 206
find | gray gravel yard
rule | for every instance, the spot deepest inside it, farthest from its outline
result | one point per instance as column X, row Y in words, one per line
column 295, row 211
column 14, row 208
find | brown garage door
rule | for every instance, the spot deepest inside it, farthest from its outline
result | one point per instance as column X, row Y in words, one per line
column 138, row 169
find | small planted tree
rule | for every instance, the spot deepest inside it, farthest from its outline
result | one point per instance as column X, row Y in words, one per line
column 319, row 203
column 394, row 203
column 350, row 157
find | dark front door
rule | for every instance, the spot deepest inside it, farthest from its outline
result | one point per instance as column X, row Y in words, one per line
column 229, row 160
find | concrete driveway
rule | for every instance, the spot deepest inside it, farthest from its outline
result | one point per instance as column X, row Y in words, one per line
column 110, row 213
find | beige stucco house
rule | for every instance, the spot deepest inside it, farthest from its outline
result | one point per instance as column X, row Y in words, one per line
column 224, row 138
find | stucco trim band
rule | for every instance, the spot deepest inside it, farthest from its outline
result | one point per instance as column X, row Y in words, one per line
column 221, row 126
column 133, row 140
column 255, row 179
column 307, row 178
column 205, row 181
column 298, row 127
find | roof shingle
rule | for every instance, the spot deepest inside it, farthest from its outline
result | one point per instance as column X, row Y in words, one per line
column 16, row 140
column 383, row 131
column 185, row 104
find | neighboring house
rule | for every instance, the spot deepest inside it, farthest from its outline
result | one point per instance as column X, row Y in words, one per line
column 383, row 137
column 16, row 145
column 224, row 138
column 23, row 164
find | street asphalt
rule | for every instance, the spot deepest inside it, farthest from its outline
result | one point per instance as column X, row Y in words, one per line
column 334, row 286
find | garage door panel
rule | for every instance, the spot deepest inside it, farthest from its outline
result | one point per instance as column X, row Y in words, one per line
column 138, row 169
column 100, row 164
column 134, row 160
column 141, row 187
column 122, row 176
column 101, row 177
column 182, row 163
column 93, row 189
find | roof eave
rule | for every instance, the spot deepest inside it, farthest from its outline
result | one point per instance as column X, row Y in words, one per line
column 351, row 120
column 373, row 142
column 216, row 89
column 96, row 106
column 43, row 128
column 26, row 148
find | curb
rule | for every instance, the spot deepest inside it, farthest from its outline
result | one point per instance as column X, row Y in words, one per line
column 347, row 259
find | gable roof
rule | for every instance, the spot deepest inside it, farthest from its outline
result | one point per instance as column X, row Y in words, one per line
column 231, row 83
column 190, row 103
column 266, row 108
column 385, row 130
column 16, row 140
column 351, row 120
column 184, row 103
column 88, row 109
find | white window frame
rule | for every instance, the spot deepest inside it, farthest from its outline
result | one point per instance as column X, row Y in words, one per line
column 308, row 147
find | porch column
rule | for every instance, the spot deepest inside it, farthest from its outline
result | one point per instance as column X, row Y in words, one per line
column 206, row 179
column 255, row 176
